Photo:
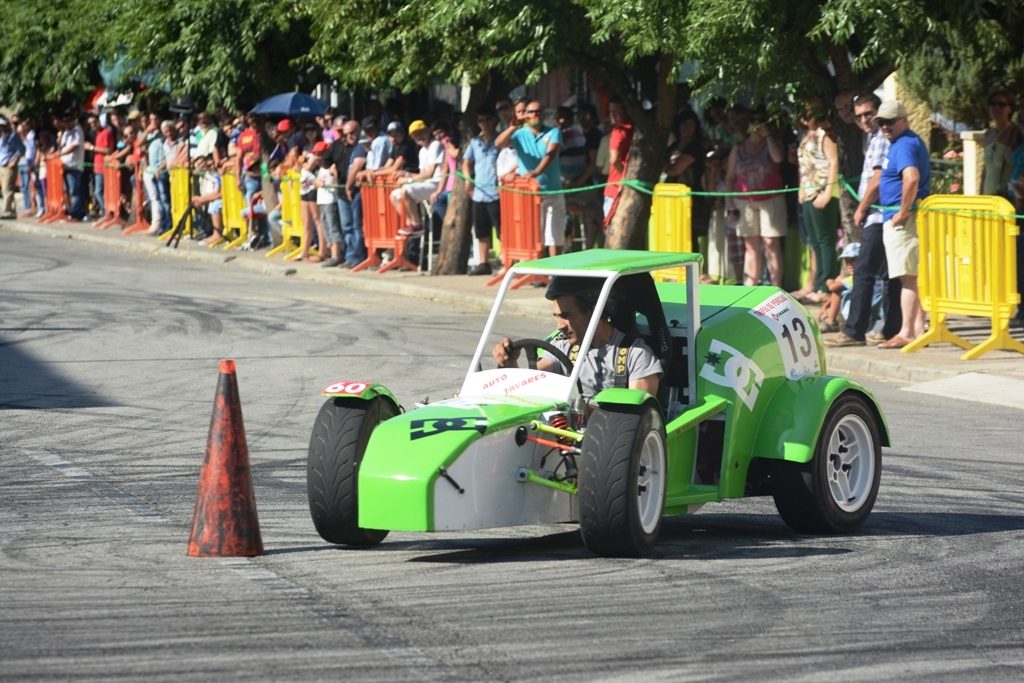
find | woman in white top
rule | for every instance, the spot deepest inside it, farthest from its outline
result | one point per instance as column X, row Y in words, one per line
column 818, row 158
column 1000, row 142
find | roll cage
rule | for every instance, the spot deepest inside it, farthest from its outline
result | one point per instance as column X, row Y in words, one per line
column 628, row 280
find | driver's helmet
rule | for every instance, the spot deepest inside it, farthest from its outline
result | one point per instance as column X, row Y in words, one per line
column 587, row 289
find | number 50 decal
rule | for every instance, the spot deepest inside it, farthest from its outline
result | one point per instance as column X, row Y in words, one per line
column 346, row 387
column 792, row 329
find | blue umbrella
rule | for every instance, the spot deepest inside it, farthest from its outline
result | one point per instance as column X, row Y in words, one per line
column 290, row 104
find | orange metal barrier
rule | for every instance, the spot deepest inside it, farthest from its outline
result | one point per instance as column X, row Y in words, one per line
column 55, row 209
column 141, row 224
column 111, row 197
column 671, row 227
column 236, row 227
column 293, row 232
column 967, row 267
column 381, row 224
column 520, row 228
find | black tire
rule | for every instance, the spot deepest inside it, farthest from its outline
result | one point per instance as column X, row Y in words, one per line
column 835, row 491
column 342, row 430
column 622, row 486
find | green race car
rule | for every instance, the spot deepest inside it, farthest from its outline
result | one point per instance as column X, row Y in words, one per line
column 744, row 409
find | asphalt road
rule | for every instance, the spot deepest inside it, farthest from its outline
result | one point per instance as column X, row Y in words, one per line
column 108, row 363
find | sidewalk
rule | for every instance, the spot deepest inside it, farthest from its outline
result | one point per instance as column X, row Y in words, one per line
column 932, row 363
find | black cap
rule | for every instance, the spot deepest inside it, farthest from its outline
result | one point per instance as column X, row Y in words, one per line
column 566, row 285
column 370, row 122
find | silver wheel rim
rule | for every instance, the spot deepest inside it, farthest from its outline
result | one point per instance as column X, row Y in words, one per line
column 650, row 492
column 850, row 465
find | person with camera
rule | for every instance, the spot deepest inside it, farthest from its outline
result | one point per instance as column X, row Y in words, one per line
column 537, row 146
column 753, row 166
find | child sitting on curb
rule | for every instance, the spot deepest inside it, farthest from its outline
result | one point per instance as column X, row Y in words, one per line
column 837, row 307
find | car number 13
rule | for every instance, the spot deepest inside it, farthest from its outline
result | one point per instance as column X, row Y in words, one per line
column 792, row 329
column 797, row 327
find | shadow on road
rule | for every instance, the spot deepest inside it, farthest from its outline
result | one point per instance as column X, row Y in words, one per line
column 940, row 523
column 726, row 538
column 27, row 383
column 703, row 537
column 301, row 549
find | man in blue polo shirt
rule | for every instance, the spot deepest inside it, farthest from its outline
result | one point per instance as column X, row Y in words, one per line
column 480, row 167
column 906, row 174
column 537, row 147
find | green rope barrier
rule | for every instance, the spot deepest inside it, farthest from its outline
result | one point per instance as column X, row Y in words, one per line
column 647, row 187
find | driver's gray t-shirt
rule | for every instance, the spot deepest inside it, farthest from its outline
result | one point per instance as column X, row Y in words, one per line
column 598, row 372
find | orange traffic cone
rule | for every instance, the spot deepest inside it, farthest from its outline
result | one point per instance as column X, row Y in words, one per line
column 224, row 523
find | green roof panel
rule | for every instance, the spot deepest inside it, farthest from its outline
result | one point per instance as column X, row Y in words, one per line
column 622, row 261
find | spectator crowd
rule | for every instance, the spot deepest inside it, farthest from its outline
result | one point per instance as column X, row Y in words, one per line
column 757, row 179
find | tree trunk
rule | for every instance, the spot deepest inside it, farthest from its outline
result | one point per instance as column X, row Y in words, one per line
column 850, row 142
column 457, row 230
column 628, row 227
column 455, row 233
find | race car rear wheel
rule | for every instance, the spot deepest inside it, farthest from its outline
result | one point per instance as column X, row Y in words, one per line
column 622, row 475
column 834, row 493
column 336, row 447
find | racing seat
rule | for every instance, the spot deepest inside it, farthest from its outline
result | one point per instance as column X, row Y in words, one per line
column 637, row 293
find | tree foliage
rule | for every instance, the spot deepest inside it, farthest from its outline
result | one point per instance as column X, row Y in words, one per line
column 225, row 52
column 958, row 67
column 47, row 54
column 239, row 50
column 408, row 45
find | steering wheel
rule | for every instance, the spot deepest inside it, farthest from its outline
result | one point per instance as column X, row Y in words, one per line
column 532, row 345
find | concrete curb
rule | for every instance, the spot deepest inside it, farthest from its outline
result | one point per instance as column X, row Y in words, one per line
column 414, row 285
column 926, row 365
column 853, row 364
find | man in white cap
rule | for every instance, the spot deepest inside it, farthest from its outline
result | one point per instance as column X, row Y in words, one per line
column 905, row 178
column 871, row 265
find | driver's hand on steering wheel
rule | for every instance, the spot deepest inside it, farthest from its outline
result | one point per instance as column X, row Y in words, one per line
column 502, row 353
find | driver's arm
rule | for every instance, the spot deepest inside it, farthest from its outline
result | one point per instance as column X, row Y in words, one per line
column 649, row 384
column 547, row 364
column 503, row 355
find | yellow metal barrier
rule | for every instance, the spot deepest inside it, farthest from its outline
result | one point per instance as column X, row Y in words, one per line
column 179, row 199
column 671, row 225
column 236, row 227
column 967, row 268
column 293, row 232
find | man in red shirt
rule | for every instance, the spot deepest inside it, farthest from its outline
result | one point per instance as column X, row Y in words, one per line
column 100, row 148
column 619, row 142
column 247, row 162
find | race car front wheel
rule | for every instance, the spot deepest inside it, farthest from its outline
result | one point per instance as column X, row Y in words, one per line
column 834, row 493
column 622, row 476
column 339, row 439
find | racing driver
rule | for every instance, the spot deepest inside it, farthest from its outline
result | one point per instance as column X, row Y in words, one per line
column 573, row 300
